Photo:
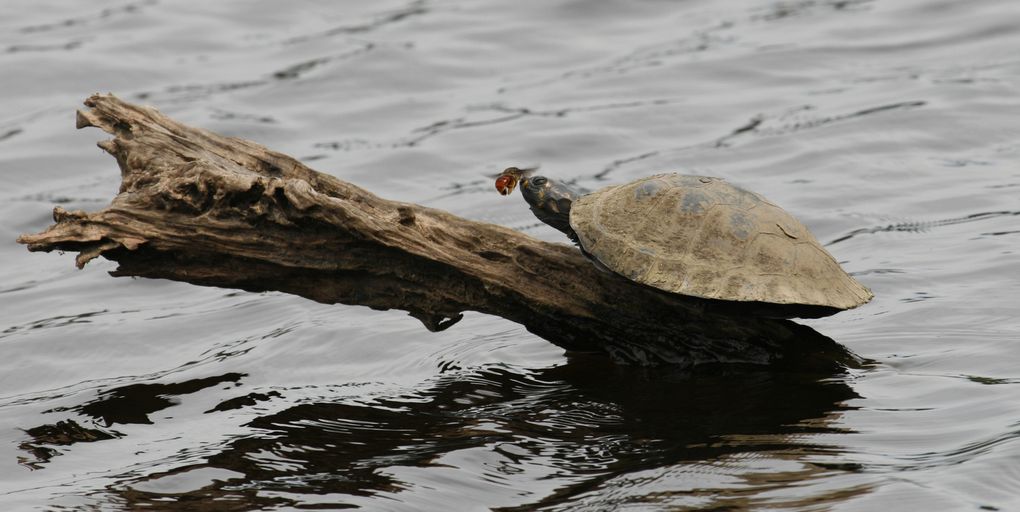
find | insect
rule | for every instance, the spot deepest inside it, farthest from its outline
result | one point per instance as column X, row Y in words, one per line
column 507, row 181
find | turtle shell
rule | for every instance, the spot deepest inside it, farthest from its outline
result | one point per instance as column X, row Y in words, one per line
column 701, row 236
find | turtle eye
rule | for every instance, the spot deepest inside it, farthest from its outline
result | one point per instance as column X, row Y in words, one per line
column 538, row 181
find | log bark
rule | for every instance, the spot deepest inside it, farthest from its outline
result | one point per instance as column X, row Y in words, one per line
column 211, row 210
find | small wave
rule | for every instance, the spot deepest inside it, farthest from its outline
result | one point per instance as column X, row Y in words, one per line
column 923, row 226
column 110, row 12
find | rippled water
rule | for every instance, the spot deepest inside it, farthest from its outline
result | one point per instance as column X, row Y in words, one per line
column 889, row 127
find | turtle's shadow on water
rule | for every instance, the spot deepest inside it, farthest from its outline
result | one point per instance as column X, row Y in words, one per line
column 588, row 419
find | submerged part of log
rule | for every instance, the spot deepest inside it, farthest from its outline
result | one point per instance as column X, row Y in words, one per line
column 211, row 210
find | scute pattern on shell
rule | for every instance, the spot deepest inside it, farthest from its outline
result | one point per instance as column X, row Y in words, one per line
column 701, row 236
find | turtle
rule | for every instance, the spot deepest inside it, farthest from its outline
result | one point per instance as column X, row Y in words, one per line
column 697, row 236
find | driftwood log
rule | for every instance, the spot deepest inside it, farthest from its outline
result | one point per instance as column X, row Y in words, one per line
column 211, row 210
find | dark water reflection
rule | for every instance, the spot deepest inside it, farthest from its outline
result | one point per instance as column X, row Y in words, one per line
column 588, row 422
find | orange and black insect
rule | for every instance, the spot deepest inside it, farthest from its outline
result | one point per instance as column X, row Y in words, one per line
column 508, row 179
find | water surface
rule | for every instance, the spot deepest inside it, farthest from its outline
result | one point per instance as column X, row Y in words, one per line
column 889, row 127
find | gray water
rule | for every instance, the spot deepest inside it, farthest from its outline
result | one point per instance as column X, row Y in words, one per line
column 890, row 127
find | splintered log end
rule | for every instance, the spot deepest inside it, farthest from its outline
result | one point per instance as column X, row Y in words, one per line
column 83, row 120
column 78, row 231
column 62, row 215
column 65, row 230
column 108, row 145
column 92, row 252
column 97, row 116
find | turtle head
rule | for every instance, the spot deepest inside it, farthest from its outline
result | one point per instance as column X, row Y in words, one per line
column 549, row 200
